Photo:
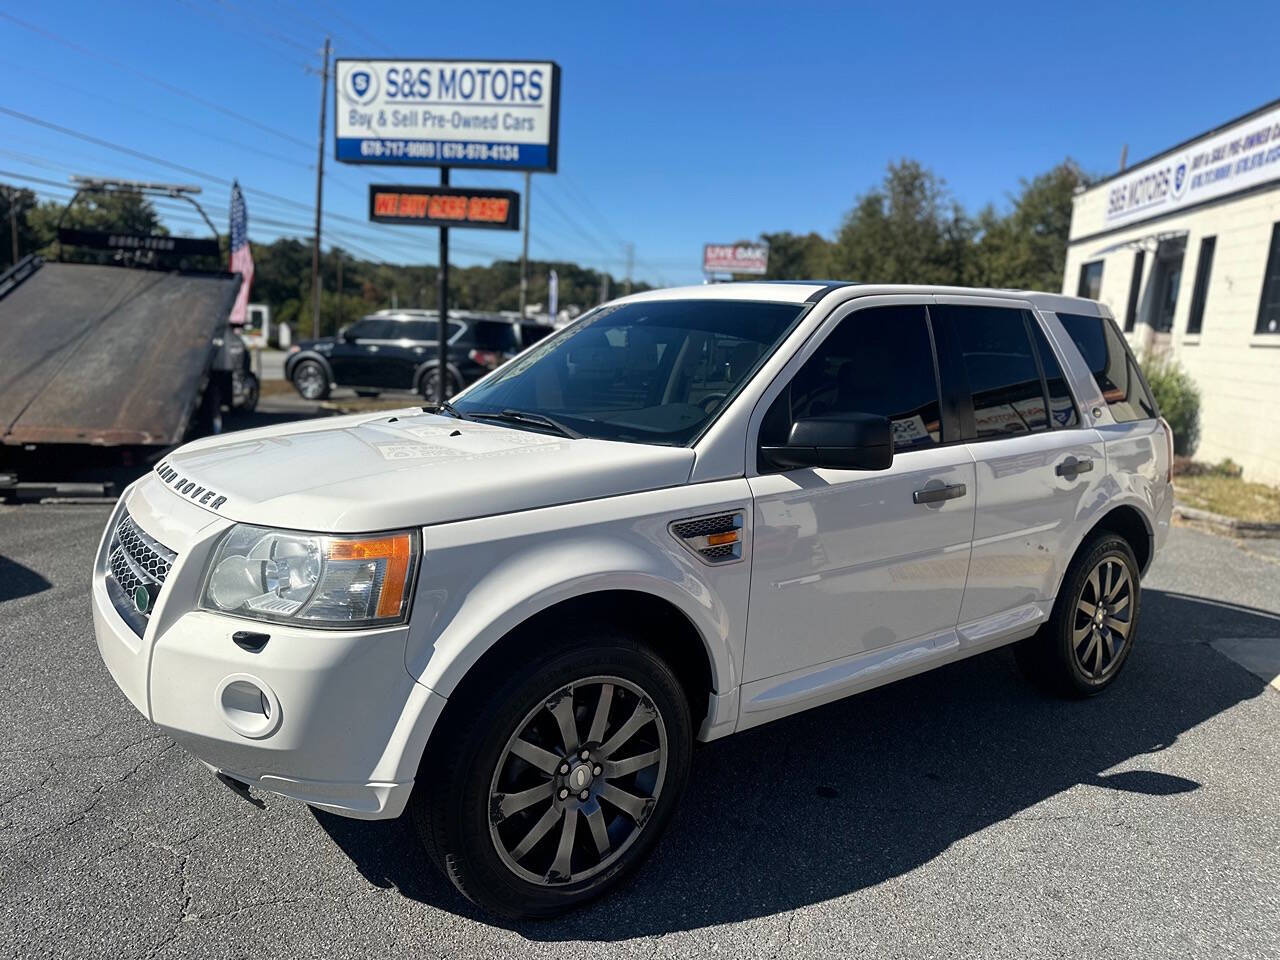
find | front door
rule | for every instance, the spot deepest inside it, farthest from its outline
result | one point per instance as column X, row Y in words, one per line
column 845, row 562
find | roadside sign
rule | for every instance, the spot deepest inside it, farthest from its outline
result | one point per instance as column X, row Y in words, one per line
column 495, row 114
column 735, row 258
column 445, row 206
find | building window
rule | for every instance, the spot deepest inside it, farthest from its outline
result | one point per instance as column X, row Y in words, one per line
column 1090, row 280
column 1135, row 288
column 1269, row 308
column 1204, row 267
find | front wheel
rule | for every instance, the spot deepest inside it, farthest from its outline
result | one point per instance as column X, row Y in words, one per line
column 1089, row 636
column 430, row 385
column 310, row 380
column 565, row 786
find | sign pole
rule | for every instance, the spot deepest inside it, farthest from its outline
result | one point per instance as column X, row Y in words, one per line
column 442, row 368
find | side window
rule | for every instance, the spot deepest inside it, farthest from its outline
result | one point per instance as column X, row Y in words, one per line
column 370, row 329
column 1112, row 365
column 423, row 330
column 1062, row 408
column 878, row 361
column 996, row 357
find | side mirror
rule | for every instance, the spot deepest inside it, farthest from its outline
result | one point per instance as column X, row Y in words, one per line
column 841, row 441
column 348, row 335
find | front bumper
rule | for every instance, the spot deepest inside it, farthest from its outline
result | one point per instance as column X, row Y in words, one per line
column 328, row 717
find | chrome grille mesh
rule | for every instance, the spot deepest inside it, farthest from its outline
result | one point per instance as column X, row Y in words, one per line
column 136, row 560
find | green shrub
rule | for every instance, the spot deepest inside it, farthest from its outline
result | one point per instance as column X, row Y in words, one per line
column 1178, row 398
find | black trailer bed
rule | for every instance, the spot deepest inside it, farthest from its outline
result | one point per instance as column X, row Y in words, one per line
column 107, row 355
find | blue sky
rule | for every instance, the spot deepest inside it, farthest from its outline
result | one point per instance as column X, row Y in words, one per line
column 680, row 123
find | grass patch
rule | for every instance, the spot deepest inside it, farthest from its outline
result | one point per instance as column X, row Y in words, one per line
column 1230, row 496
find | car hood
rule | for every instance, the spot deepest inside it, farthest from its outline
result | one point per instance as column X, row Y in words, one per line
column 404, row 468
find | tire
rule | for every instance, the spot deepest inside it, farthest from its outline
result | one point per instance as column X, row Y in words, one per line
column 1080, row 651
column 471, row 775
column 310, row 380
column 367, row 393
column 247, row 390
column 211, row 410
column 427, row 385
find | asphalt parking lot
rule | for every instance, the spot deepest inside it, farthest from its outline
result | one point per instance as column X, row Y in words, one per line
column 956, row 814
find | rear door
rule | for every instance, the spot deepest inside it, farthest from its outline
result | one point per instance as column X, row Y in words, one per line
column 1038, row 468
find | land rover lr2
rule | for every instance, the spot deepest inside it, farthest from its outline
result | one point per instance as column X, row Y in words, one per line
column 689, row 513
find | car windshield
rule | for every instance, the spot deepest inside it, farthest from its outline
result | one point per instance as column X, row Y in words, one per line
column 647, row 372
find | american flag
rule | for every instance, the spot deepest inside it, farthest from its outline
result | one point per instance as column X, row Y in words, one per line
column 241, row 256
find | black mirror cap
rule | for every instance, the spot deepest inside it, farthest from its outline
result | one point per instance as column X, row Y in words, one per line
column 839, row 441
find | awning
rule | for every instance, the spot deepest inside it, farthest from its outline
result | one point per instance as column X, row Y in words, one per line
column 1150, row 242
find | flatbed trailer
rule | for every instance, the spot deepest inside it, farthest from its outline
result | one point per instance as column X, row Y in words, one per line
column 104, row 364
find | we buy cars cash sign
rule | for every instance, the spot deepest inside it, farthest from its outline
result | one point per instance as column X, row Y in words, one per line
column 735, row 258
column 496, row 114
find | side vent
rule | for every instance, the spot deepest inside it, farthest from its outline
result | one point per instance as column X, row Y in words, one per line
column 714, row 539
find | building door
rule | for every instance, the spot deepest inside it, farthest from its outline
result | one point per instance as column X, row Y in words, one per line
column 1167, row 278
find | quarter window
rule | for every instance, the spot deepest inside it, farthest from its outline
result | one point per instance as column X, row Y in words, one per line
column 877, row 361
column 1203, row 268
column 997, row 360
column 1112, row 365
column 1090, row 280
column 1269, row 308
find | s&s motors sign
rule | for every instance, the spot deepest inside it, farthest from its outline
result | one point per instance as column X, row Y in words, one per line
column 499, row 114
column 1241, row 155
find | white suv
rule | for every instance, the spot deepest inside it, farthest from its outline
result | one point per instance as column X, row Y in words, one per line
column 689, row 513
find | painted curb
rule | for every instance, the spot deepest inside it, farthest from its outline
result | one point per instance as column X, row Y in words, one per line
column 1228, row 525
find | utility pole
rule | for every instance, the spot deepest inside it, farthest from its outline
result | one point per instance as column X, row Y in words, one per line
column 13, row 222
column 631, row 262
column 1124, row 157
column 340, row 317
column 315, row 248
column 604, row 286
column 524, row 250
column 442, row 356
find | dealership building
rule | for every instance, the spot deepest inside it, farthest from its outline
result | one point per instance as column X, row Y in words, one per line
column 1185, row 250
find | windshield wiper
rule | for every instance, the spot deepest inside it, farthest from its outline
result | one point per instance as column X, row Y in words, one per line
column 536, row 419
column 446, row 407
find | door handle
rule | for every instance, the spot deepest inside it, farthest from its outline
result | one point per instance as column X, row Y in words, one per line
column 952, row 491
column 373, row 348
column 1071, row 467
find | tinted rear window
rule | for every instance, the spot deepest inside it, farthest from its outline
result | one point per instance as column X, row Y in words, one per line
column 495, row 335
column 1113, row 366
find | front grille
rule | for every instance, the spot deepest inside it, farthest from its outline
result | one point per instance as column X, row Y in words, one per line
column 137, row 565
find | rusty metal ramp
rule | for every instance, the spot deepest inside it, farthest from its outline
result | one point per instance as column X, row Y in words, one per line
column 107, row 355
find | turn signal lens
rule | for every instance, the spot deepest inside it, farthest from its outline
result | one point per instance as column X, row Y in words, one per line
column 396, row 552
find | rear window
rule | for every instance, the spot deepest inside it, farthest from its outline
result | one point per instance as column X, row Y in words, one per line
column 495, row 335
column 1112, row 365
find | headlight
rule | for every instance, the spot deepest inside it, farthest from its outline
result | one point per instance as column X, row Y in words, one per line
column 336, row 581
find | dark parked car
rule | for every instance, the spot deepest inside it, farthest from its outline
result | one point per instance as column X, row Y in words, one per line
column 397, row 350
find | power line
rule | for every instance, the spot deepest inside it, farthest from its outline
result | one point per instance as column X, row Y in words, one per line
column 178, row 91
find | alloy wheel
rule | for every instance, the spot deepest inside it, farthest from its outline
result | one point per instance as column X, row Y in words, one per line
column 309, row 379
column 1103, row 619
column 577, row 781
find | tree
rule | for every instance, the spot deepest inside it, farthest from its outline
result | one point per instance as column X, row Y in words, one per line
column 907, row 230
column 794, row 256
column 16, row 203
column 1027, row 248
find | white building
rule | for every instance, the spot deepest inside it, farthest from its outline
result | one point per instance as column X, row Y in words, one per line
column 1185, row 250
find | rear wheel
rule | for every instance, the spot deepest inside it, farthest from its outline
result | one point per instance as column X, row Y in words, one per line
column 310, row 380
column 566, row 786
column 1088, row 638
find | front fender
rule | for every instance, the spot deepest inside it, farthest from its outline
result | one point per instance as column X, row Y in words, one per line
column 482, row 578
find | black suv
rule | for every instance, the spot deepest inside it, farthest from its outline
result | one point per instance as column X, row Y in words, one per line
column 398, row 350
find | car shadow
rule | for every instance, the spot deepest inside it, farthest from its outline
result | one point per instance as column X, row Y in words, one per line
column 17, row 580
column 849, row 795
